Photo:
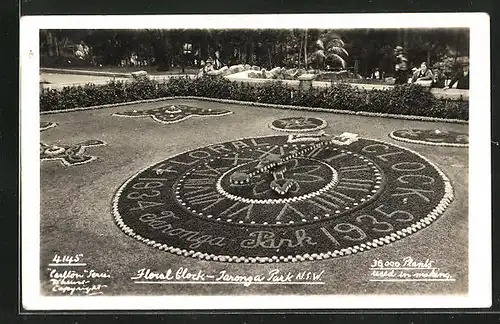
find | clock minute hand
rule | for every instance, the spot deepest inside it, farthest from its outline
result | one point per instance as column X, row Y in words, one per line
column 271, row 161
column 315, row 141
column 266, row 163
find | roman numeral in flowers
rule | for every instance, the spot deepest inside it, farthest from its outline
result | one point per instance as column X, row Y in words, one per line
column 210, row 198
column 236, row 210
column 210, row 171
column 330, row 200
column 354, row 168
column 200, row 181
column 355, row 184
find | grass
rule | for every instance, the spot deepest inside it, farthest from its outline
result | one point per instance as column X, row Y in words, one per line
column 76, row 216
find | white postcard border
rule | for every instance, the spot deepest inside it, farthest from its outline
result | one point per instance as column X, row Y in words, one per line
column 479, row 160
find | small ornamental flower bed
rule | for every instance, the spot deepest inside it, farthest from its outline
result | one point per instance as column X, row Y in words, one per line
column 174, row 113
column 298, row 124
column 431, row 137
column 408, row 99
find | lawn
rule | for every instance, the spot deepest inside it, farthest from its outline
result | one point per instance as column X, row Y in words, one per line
column 76, row 215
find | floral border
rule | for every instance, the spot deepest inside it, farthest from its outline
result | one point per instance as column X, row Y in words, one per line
column 261, row 104
column 385, row 240
column 409, row 140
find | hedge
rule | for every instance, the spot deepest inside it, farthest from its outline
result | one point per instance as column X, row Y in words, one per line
column 408, row 99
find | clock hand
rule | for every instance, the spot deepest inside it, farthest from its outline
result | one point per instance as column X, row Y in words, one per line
column 271, row 161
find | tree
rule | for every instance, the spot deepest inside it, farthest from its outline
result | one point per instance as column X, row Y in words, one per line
column 364, row 48
column 329, row 50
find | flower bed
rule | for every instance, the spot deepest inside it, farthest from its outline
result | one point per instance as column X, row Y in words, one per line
column 400, row 100
column 323, row 206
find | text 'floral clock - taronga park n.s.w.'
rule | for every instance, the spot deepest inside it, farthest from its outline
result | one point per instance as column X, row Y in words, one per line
column 282, row 198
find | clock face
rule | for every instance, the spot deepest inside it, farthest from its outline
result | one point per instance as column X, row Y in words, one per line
column 310, row 201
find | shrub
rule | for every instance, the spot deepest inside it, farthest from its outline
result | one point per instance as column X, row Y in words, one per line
column 402, row 99
column 410, row 99
column 345, row 97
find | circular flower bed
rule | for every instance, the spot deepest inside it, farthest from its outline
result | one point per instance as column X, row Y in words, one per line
column 346, row 199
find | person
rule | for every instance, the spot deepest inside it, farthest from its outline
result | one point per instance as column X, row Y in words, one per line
column 86, row 49
column 461, row 78
column 79, row 46
column 377, row 75
column 401, row 67
column 217, row 62
column 209, row 65
column 206, row 66
column 439, row 77
column 422, row 74
column 79, row 52
column 196, row 58
column 134, row 59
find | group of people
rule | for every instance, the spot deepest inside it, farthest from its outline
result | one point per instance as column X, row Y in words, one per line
column 134, row 60
column 82, row 50
column 206, row 66
column 423, row 74
column 210, row 65
column 437, row 78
